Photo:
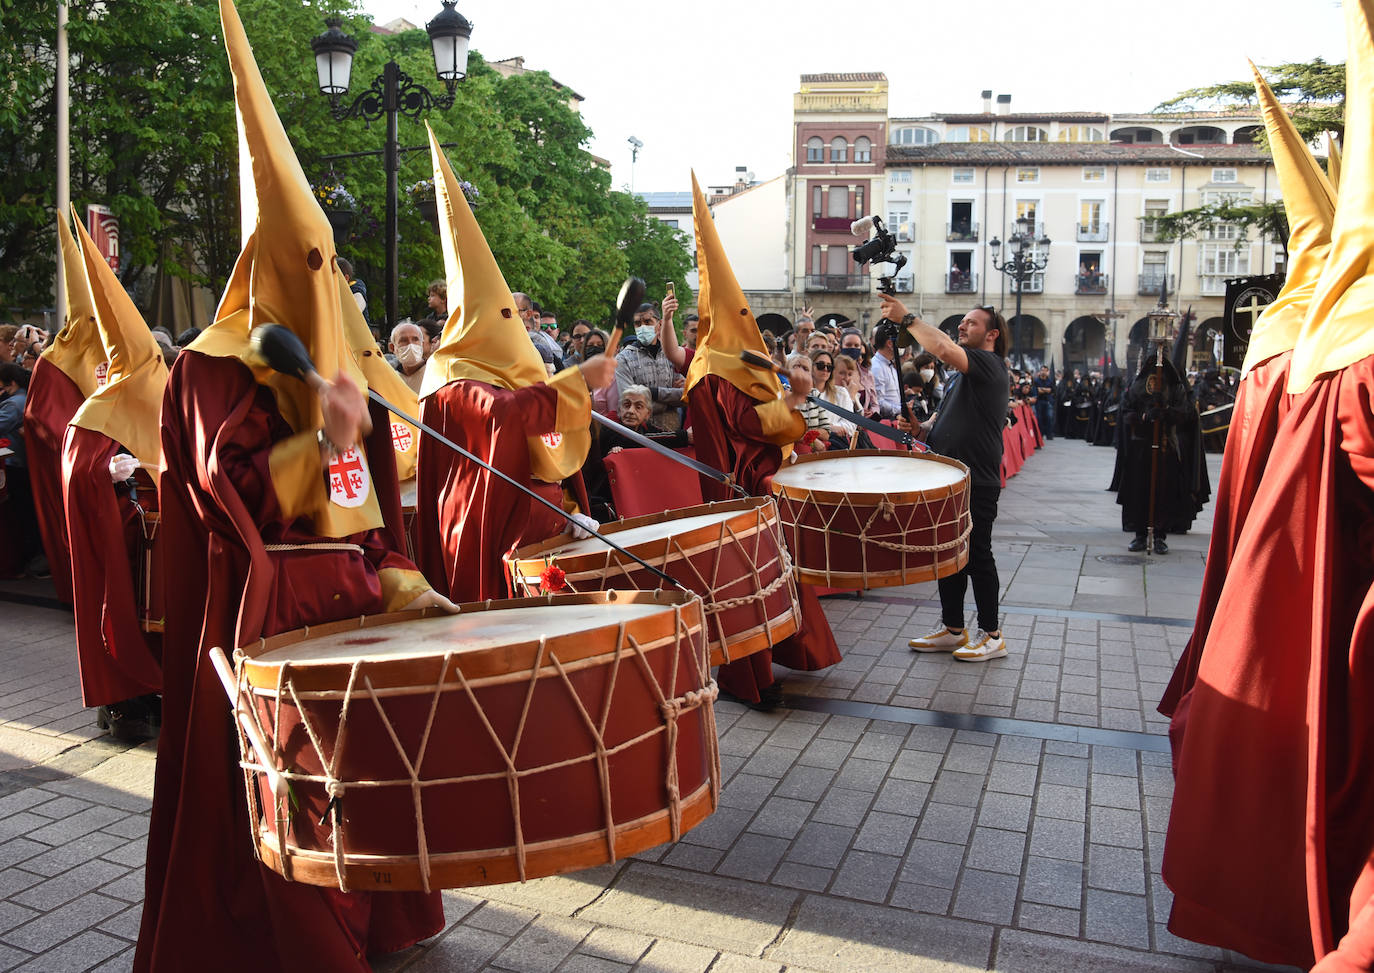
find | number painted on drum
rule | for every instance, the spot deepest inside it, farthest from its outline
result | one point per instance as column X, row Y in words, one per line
column 381, row 878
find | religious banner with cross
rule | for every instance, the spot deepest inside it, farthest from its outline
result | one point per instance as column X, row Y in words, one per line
column 1246, row 299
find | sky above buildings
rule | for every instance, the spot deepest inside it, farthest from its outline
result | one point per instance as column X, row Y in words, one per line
column 708, row 84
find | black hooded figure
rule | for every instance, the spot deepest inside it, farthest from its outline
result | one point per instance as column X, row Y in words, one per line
column 1157, row 395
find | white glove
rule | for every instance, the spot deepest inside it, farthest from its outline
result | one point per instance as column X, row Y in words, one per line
column 122, row 467
column 581, row 526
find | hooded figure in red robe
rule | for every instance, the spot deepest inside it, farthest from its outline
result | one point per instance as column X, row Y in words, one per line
column 116, row 430
column 1262, row 399
column 742, row 423
column 1270, row 848
column 486, row 389
column 273, row 503
column 69, row 370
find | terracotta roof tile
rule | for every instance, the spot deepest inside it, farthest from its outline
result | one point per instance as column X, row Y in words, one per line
column 861, row 76
column 1070, row 153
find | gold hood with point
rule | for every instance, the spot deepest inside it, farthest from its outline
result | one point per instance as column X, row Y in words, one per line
column 1338, row 330
column 726, row 326
column 286, row 274
column 485, row 340
column 128, row 407
column 76, row 351
column 1310, row 203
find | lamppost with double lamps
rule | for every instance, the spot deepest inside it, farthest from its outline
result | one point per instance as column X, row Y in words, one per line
column 1020, row 265
column 392, row 94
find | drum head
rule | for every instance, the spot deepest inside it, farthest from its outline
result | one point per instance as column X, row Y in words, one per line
column 408, row 494
column 877, row 473
column 642, row 533
column 463, row 633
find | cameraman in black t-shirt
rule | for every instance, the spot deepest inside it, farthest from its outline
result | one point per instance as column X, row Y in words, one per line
column 968, row 427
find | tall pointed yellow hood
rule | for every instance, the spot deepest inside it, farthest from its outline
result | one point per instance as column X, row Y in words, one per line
column 287, row 274
column 128, row 407
column 76, row 351
column 1311, row 206
column 1333, row 161
column 484, row 338
column 727, row 326
column 1338, row 330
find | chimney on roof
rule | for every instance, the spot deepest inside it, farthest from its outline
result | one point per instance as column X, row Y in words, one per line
column 987, row 101
column 1004, row 104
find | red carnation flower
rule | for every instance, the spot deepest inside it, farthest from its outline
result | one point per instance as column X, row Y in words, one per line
column 552, row 580
column 811, row 436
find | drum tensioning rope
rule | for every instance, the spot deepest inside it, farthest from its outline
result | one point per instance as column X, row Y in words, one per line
column 281, row 350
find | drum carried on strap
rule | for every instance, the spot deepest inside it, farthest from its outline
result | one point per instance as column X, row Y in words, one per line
column 514, row 740
column 731, row 553
column 869, row 518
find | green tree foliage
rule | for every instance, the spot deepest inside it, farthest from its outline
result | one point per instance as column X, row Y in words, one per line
column 1315, row 93
column 154, row 138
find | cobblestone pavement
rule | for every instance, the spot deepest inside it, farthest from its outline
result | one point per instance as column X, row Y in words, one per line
column 902, row 812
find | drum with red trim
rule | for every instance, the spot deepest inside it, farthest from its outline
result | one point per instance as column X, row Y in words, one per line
column 513, row 740
column 869, row 518
column 731, row 553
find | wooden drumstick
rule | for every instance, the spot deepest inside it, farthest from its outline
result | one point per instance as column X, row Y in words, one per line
column 250, row 729
column 281, row 349
column 626, row 305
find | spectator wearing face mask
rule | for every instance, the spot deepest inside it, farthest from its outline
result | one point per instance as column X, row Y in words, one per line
column 409, row 344
column 642, row 362
column 853, row 347
column 924, row 397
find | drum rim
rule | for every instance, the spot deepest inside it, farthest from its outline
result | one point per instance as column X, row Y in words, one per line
column 530, row 558
column 792, row 492
column 262, row 676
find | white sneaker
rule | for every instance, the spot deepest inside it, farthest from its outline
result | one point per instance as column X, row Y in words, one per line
column 982, row 648
column 941, row 640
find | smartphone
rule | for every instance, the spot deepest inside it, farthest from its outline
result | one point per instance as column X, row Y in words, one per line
column 669, row 292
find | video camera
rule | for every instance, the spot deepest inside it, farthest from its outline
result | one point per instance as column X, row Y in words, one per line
column 881, row 249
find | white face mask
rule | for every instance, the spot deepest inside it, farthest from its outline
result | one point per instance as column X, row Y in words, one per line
column 646, row 333
column 410, row 355
column 927, row 374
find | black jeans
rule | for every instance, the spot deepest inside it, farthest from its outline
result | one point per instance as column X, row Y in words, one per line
column 981, row 567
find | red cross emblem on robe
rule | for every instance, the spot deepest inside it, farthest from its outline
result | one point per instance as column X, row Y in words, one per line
column 349, row 483
column 400, row 436
column 102, row 373
column 552, row 439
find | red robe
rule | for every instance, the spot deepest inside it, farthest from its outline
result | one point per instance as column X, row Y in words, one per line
column 1270, row 849
column 1261, row 404
column 52, row 401
column 118, row 660
column 727, row 435
column 467, row 520
column 209, row 904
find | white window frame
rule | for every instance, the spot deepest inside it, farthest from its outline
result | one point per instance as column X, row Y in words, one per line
column 1027, row 175
column 899, row 176
column 956, row 176
column 1094, row 173
column 866, row 148
column 1224, row 175
column 1159, row 174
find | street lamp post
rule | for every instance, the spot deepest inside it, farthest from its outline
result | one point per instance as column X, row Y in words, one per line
column 1020, row 264
column 392, row 94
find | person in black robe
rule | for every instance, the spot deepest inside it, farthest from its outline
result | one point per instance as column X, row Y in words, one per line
column 1064, row 394
column 1156, row 405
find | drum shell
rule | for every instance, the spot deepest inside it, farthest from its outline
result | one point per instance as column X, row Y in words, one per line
column 737, row 558
column 823, row 529
column 467, row 801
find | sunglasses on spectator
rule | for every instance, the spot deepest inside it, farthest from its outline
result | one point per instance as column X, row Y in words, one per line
column 823, row 367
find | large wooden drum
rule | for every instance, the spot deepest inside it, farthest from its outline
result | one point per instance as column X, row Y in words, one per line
column 514, row 740
column 731, row 553
column 871, row 518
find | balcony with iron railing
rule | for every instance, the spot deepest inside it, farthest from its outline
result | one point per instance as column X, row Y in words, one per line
column 1150, row 283
column 1034, row 284
column 961, row 282
column 962, row 232
column 830, row 224
column 837, row 282
column 904, row 285
column 1090, row 283
column 1098, row 232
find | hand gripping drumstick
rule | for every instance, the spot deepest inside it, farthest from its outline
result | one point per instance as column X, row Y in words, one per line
column 626, row 306
column 755, row 360
column 281, row 350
